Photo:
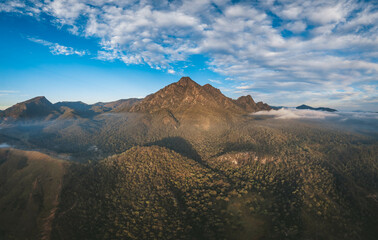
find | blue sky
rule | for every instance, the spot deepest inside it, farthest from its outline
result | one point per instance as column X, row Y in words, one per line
column 321, row 53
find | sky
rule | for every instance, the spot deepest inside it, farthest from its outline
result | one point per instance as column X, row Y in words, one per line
column 285, row 53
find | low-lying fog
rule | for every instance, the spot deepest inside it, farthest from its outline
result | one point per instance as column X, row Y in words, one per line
column 5, row 145
column 364, row 121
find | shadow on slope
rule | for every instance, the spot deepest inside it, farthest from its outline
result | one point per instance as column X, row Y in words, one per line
column 179, row 145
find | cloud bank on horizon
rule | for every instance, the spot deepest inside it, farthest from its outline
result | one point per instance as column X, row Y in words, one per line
column 363, row 122
column 323, row 52
column 286, row 113
column 366, row 122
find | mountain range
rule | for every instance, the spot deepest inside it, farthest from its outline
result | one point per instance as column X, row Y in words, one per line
column 185, row 162
column 183, row 99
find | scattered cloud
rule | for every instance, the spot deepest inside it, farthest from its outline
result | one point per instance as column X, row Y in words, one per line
column 58, row 49
column 287, row 49
column 171, row 71
column 215, row 81
column 7, row 92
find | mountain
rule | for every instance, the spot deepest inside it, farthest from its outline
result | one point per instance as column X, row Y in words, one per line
column 116, row 106
column 277, row 107
column 179, row 172
column 123, row 105
column 156, row 193
column 184, row 99
column 247, row 103
column 38, row 107
column 187, row 96
column 303, row 106
column 77, row 106
column 187, row 103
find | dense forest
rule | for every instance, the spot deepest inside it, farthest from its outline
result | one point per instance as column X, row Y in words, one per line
column 186, row 173
column 263, row 183
column 259, row 179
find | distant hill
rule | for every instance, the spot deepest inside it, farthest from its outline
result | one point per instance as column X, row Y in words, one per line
column 303, row 106
column 38, row 107
column 77, row 106
column 277, row 107
column 181, row 100
column 123, row 105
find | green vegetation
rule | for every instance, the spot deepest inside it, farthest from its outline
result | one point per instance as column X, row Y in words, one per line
column 253, row 179
column 30, row 183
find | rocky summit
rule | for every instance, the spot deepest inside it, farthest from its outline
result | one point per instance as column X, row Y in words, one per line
column 186, row 95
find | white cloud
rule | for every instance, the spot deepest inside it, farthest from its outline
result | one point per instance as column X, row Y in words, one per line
column 362, row 122
column 215, row 81
column 333, row 48
column 8, row 91
column 327, row 14
column 296, row 27
column 285, row 113
column 58, row 49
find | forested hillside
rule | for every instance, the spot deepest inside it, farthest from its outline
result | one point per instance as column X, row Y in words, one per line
column 310, row 191
column 169, row 167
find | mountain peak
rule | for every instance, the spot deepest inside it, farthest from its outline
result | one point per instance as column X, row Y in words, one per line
column 187, row 81
column 37, row 107
column 188, row 98
column 247, row 103
column 246, row 99
column 39, row 99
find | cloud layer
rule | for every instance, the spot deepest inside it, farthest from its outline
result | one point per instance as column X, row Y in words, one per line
column 357, row 121
column 281, row 51
column 285, row 113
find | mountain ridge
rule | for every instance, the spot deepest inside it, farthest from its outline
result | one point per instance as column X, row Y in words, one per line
column 37, row 107
column 326, row 109
column 180, row 96
column 184, row 99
